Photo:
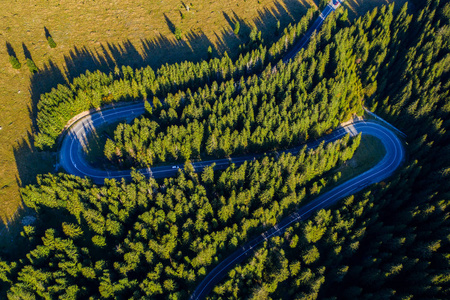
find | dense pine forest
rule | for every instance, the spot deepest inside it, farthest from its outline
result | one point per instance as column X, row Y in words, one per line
column 149, row 239
column 144, row 239
column 283, row 106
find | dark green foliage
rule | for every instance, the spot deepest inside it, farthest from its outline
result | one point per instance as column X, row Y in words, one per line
column 31, row 66
column 364, row 248
column 162, row 239
column 283, row 107
column 392, row 243
column 224, row 120
column 51, row 42
column 15, row 63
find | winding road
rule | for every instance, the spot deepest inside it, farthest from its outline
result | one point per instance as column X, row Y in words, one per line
column 72, row 159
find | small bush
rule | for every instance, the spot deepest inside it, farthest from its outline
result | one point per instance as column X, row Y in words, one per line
column 32, row 66
column 210, row 52
column 237, row 27
column 51, row 42
column 15, row 62
column 277, row 30
column 178, row 33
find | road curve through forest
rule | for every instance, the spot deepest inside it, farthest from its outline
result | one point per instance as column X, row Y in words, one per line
column 382, row 170
column 72, row 159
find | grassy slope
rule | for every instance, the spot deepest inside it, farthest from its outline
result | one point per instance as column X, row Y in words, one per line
column 98, row 34
column 368, row 154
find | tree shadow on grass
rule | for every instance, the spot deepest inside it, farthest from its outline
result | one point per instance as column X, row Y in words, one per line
column 153, row 52
column 163, row 49
column 10, row 50
column 29, row 163
column 170, row 24
column 47, row 33
column 26, row 52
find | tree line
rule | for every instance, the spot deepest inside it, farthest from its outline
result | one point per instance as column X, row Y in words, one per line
column 283, row 106
column 391, row 242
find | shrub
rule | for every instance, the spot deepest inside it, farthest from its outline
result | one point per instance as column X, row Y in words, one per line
column 178, row 33
column 32, row 66
column 210, row 52
column 237, row 27
column 51, row 42
column 15, row 62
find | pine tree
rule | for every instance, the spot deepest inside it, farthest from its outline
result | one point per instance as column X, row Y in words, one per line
column 51, row 42
column 15, row 62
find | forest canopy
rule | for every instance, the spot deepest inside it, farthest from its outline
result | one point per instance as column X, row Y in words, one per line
column 159, row 239
column 392, row 243
column 144, row 239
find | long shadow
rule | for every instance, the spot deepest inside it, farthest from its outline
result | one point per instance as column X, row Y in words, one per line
column 170, row 24
column 12, row 245
column 26, row 52
column 153, row 52
column 48, row 77
column 29, row 163
column 233, row 20
column 47, row 33
column 285, row 12
column 10, row 50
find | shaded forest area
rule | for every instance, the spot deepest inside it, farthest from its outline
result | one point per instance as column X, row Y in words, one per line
column 143, row 238
column 282, row 106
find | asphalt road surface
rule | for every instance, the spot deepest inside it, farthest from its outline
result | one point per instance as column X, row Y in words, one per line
column 73, row 160
column 72, row 155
